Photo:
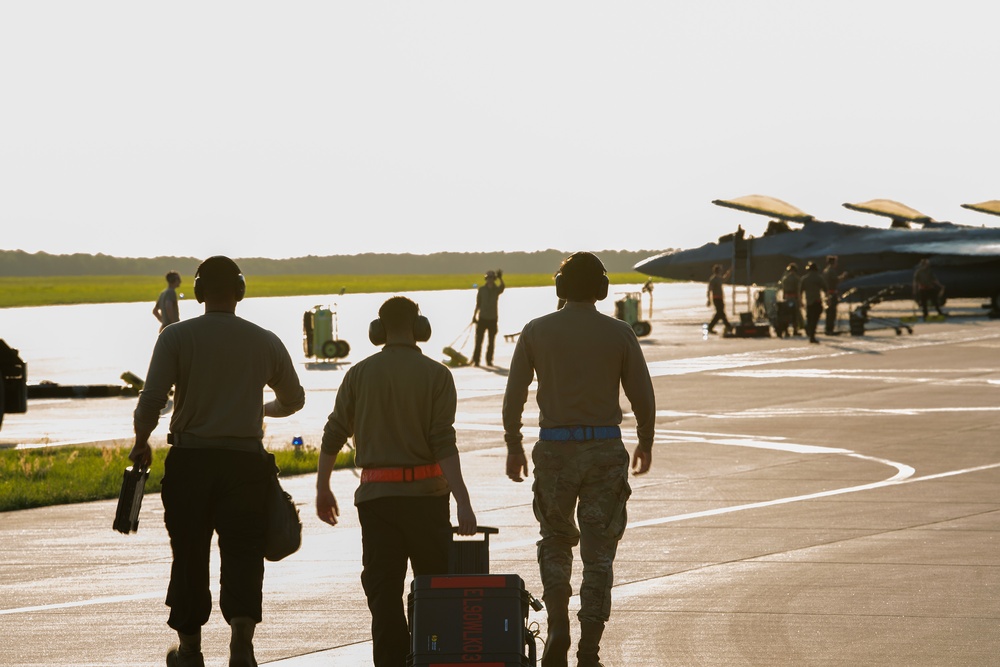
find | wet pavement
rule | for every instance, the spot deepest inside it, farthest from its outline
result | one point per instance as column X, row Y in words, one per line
column 833, row 504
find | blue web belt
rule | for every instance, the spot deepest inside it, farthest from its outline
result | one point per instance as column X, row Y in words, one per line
column 580, row 433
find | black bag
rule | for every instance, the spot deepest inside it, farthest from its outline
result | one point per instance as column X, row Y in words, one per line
column 283, row 536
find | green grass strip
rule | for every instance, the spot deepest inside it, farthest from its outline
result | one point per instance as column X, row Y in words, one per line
column 22, row 291
column 74, row 474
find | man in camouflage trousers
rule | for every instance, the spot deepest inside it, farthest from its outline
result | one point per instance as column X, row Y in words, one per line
column 581, row 358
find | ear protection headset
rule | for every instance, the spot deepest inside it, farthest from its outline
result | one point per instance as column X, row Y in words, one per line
column 421, row 330
column 594, row 277
column 216, row 273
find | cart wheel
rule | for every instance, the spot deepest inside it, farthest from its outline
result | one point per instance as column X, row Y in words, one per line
column 343, row 349
column 642, row 328
column 330, row 349
column 898, row 331
column 909, row 330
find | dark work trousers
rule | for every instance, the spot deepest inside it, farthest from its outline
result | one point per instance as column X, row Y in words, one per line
column 485, row 327
column 831, row 313
column 795, row 312
column 928, row 296
column 206, row 491
column 720, row 314
column 393, row 530
column 813, row 311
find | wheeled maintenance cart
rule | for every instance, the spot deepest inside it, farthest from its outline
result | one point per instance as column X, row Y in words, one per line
column 470, row 616
column 629, row 310
column 860, row 318
column 319, row 334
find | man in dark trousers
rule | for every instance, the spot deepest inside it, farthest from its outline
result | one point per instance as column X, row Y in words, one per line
column 215, row 475
column 790, row 297
column 582, row 358
column 927, row 288
column 831, row 280
column 811, row 293
column 400, row 407
column 717, row 299
column 486, row 315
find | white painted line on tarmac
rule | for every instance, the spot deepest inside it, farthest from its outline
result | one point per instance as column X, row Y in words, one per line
column 904, row 474
column 84, row 603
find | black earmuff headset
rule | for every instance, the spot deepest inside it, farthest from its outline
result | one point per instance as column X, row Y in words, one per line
column 598, row 284
column 240, row 287
column 421, row 330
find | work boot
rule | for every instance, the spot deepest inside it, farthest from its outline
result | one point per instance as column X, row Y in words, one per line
column 590, row 644
column 241, row 643
column 188, row 654
column 557, row 641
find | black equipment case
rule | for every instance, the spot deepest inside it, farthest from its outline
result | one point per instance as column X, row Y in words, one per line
column 469, row 619
column 130, row 499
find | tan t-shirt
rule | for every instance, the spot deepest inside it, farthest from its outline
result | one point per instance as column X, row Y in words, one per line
column 400, row 407
column 218, row 364
column 583, row 359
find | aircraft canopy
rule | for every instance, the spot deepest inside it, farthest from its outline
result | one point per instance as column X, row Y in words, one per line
column 992, row 207
column 763, row 205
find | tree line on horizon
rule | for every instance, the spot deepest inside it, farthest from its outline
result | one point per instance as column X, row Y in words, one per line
column 21, row 263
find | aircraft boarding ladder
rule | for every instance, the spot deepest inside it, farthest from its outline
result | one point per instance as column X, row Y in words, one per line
column 742, row 269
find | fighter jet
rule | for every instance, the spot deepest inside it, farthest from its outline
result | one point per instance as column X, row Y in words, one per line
column 965, row 259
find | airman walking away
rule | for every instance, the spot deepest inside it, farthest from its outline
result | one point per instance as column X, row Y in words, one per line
column 582, row 359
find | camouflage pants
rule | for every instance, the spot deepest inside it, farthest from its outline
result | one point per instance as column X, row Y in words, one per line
column 589, row 479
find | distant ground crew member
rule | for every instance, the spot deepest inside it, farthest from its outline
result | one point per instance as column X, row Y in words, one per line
column 215, row 475
column 486, row 314
column 400, row 407
column 926, row 287
column 831, row 281
column 166, row 310
column 717, row 298
column 790, row 296
column 582, row 359
column 811, row 294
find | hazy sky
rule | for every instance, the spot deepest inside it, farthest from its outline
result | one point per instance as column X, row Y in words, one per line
column 291, row 128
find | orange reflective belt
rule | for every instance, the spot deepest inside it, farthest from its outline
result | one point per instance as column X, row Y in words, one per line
column 413, row 474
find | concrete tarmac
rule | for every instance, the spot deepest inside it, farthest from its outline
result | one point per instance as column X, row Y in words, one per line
column 832, row 504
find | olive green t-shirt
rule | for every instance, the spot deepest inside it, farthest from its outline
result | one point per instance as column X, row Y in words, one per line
column 583, row 359
column 399, row 406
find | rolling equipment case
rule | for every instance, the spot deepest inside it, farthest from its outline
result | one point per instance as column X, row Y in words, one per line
column 470, row 616
column 470, row 619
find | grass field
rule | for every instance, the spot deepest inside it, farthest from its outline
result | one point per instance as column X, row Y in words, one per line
column 61, row 475
column 63, row 290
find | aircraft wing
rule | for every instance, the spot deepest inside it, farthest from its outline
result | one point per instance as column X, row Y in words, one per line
column 764, row 205
column 890, row 209
column 992, row 207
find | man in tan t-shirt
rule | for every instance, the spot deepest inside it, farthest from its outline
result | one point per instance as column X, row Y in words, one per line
column 582, row 359
column 215, row 474
column 400, row 407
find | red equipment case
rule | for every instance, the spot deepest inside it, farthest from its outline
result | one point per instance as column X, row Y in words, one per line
column 469, row 619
